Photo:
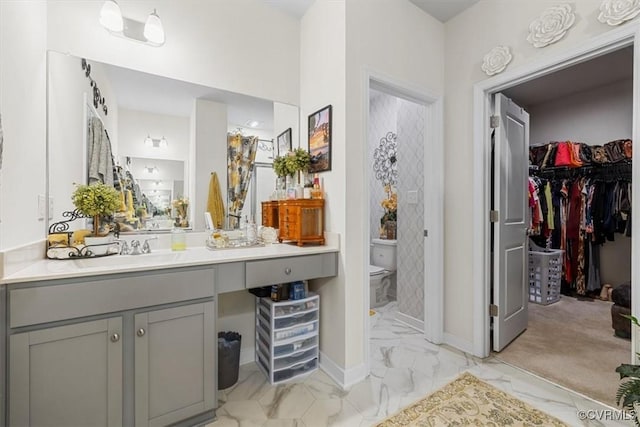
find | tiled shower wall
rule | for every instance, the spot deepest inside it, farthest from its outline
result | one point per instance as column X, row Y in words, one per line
column 391, row 114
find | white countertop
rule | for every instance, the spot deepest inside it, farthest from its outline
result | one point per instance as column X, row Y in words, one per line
column 46, row 269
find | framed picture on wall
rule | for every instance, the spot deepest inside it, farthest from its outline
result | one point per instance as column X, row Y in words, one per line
column 320, row 140
column 284, row 142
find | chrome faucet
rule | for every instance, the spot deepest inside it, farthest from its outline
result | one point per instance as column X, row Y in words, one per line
column 135, row 247
column 146, row 248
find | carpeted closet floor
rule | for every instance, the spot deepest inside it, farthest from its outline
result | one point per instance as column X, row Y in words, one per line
column 571, row 343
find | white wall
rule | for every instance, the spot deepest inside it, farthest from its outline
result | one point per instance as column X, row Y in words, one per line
column 398, row 40
column 339, row 41
column 23, row 27
column 469, row 36
column 322, row 82
column 243, row 46
column 594, row 116
column 208, row 154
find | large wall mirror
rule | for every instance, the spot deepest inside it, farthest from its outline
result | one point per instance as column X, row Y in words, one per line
column 166, row 138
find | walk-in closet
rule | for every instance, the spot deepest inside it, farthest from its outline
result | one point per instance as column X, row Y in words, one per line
column 580, row 192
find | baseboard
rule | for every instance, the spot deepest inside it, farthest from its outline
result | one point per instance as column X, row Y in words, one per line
column 344, row 378
column 247, row 355
column 412, row 322
column 455, row 342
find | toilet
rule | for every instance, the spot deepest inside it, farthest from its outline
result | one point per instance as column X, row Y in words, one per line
column 382, row 268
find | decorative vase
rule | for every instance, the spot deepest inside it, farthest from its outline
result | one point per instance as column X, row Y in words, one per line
column 390, row 228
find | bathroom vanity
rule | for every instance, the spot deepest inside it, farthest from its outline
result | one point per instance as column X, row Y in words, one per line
column 129, row 340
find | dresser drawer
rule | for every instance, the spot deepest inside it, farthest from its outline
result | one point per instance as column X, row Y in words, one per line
column 61, row 300
column 284, row 270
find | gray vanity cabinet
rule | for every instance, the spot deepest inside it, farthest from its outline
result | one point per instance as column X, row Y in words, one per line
column 67, row 376
column 174, row 364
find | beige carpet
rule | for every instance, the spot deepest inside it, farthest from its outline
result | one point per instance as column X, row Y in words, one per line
column 468, row 401
column 571, row 343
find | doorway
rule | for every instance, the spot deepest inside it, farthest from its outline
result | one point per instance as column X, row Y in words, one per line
column 419, row 192
column 515, row 86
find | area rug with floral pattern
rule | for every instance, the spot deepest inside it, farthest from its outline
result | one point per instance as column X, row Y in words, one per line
column 468, row 401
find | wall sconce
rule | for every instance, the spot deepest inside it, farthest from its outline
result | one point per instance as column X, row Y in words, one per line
column 150, row 32
column 156, row 143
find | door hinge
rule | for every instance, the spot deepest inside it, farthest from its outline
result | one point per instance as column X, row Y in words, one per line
column 493, row 310
column 494, row 122
column 426, row 233
column 494, row 216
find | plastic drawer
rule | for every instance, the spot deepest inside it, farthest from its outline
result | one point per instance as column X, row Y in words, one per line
column 295, row 358
column 286, row 322
column 295, row 371
column 303, row 344
column 294, row 308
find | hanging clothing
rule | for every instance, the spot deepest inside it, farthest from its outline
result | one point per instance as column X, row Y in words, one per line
column 100, row 156
column 241, row 152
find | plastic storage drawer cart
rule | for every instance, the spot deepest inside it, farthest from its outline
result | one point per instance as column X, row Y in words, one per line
column 287, row 337
column 545, row 274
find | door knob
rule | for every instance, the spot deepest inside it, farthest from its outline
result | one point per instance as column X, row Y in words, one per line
column 140, row 332
column 115, row 337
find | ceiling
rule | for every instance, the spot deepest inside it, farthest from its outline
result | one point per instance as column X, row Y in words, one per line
column 600, row 71
column 442, row 10
column 140, row 91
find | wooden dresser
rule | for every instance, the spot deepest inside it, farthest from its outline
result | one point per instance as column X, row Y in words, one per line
column 301, row 221
column 270, row 213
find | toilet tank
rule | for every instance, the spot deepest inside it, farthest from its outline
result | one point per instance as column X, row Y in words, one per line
column 383, row 253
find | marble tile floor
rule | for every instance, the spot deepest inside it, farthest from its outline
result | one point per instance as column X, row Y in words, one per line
column 404, row 368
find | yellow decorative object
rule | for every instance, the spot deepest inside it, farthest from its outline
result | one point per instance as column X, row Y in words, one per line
column 130, row 210
column 123, row 205
column 58, row 239
column 215, row 206
column 77, row 238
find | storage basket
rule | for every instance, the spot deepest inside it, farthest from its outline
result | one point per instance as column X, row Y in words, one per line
column 545, row 274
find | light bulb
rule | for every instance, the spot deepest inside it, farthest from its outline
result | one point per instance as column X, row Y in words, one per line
column 163, row 142
column 148, row 141
column 153, row 30
column 111, row 16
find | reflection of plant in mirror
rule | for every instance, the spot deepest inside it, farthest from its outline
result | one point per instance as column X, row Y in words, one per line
column 96, row 200
column 280, row 166
column 181, row 205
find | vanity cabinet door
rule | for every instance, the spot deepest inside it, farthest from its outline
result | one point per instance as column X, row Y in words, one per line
column 175, row 352
column 67, row 376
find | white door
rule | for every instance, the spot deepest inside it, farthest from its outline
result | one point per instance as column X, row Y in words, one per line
column 510, row 263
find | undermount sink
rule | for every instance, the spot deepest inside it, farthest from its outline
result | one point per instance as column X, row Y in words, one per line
column 129, row 260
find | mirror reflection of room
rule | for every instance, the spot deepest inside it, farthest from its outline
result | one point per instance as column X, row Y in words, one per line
column 151, row 120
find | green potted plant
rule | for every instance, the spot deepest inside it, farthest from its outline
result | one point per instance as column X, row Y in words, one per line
column 280, row 166
column 298, row 161
column 628, row 393
column 95, row 201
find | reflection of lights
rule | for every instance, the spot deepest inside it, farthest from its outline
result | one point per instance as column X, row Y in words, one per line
column 151, row 169
column 158, row 183
column 253, row 123
column 156, row 143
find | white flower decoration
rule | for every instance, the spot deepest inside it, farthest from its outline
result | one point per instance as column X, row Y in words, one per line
column 496, row 60
column 615, row 12
column 551, row 26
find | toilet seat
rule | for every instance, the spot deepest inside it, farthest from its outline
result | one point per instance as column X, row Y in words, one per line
column 375, row 270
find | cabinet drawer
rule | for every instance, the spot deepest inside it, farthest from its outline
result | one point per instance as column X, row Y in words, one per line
column 284, row 270
column 287, row 322
column 53, row 302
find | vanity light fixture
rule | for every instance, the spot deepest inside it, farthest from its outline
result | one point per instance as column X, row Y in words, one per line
column 253, row 123
column 156, row 143
column 151, row 169
column 151, row 32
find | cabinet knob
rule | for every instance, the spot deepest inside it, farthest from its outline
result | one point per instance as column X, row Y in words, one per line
column 115, row 337
column 287, row 270
column 140, row 332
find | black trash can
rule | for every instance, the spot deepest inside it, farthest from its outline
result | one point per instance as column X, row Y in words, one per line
column 228, row 358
